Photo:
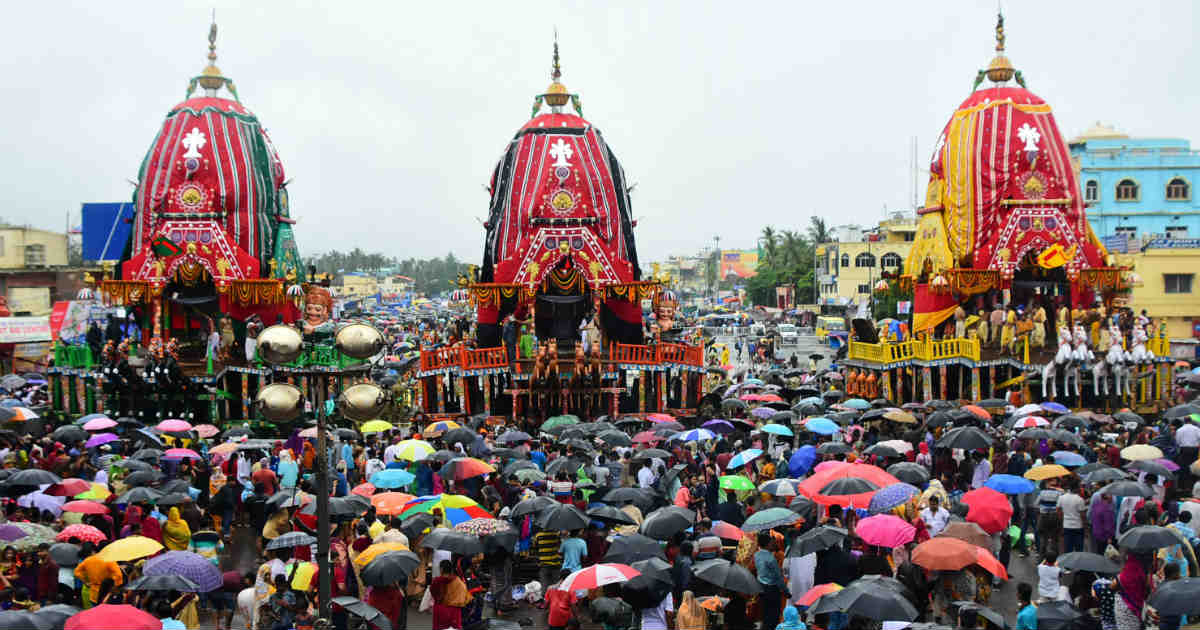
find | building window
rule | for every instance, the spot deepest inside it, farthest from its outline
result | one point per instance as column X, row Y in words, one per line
column 1177, row 231
column 1091, row 190
column 1127, row 190
column 910, row 236
column 1128, row 231
column 864, row 260
column 864, row 288
column 1, row 245
column 845, row 260
column 1177, row 282
column 35, row 255
column 890, row 259
column 1178, row 190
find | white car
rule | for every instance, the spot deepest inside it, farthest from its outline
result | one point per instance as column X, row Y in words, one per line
column 789, row 335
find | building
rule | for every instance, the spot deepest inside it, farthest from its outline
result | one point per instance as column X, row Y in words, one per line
column 1141, row 204
column 355, row 284
column 738, row 264
column 1139, row 188
column 33, row 273
column 395, row 284
column 31, row 248
column 848, row 268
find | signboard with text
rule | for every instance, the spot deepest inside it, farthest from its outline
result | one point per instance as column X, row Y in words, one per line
column 24, row 329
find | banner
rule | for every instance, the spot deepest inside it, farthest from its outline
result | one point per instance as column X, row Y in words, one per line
column 24, row 329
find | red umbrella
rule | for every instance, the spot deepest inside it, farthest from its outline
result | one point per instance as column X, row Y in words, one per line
column 363, row 489
column 121, row 616
column 989, row 509
column 68, row 488
column 728, row 531
column 86, row 533
column 977, row 411
column 646, row 437
column 85, row 507
column 811, row 487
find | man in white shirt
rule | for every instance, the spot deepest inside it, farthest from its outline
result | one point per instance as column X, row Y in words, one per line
column 983, row 470
column 1071, row 508
column 389, row 453
column 1187, row 436
column 656, row 618
column 645, row 476
column 935, row 516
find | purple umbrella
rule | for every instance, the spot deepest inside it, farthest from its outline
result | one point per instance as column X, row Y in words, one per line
column 763, row 412
column 192, row 566
column 11, row 532
column 889, row 497
column 42, row 501
column 1168, row 464
column 718, row 425
column 102, row 438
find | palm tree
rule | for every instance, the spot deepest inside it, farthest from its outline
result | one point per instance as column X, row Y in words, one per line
column 818, row 231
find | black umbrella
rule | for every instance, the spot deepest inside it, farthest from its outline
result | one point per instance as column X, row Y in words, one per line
column 1036, row 433
column 872, row 414
column 508, row 453
column 345, row 433
column 665, row 522
column 644, row 499
column 479, row 448
column 142, row 478
column 631, row 548
column 875, row 597
column 578, row 444
column 847, row 485
column 1128, row 489
column 135, row 465
column 614, row 612
column 883, row 450
column 521, row 464
column 174, row 485
column 1072, row 421
column 967, row 438
column 514, row 437
column 630, row 422
column 442, row 456
column 285, row 497
column 69, row 433
column 417, row 523
column 291, row 539
column 389, row 567
column 1153, row 467
column 140, row 494
column 650, row 453
column 994, row 617
column 733, row 403
column 532, row 506
column 1102, row 474
column 808, row 409
column 783, row 416
column 615, row 438
column 805, row 507
column 151, row 455
column 565, row 464
column 64, row 554
column 148, row 436
column 1177, row 597
column 1087, row 561
column 57, row 614
column 939, row 404
column 173, row 498
column 364, row 611
column 669, row 477
column 727, row 575
column 23, row 619
column 1146, row 538
column 817, row 539
column 833, row 448
column 460, row 435
column 1128, row 416
column 939, row 418
column 340, row 507
column 610, row 515
column 454, row 541
column 1057, row 615
column 562, row 517
column 833, row 394
column 572, row 432
column 166, row 582
column 1180, row 411
column 910, row 473
column 649, row 588
column 236, row 432
column 32, row 477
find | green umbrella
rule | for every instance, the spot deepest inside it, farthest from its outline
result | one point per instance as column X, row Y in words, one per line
column 770, row 518
column 559, row 421
column 736, row 482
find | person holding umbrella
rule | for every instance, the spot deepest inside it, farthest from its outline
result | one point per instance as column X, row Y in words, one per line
column 771, row 578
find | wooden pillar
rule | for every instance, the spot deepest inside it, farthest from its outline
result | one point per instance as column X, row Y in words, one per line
column 927, row 383
column 246, row 395
column 441, row 401
column 885, row 378
column 662, row 391
column 685, row 377
column 487, row 395
column 945, row 383
column 976, row 387
column 991, row 388
column 643, row 381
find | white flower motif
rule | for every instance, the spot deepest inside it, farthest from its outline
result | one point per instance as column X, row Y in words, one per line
column 1029, row 136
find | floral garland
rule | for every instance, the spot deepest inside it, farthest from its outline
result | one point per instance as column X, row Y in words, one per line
column 257, row 291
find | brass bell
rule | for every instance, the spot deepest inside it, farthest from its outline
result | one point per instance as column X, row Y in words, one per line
column 363, row 401
column 279, row 402
column 359, row 341
column 280, row 344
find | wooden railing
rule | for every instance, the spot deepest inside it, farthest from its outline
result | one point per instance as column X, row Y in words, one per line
column 485, row 358
column 440, row 358
column 680, row 353
column 622, row 353
column 918, row 349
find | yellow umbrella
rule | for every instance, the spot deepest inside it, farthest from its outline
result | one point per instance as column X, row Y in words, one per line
column 99, row 492
column 369, row 553
column 1048, row 471
column 302, row 580
column 375, row 426
column 1138, row 452
column 130, row 548
column 897, row 415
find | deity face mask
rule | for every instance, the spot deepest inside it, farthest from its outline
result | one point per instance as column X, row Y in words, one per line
column 315, row 314
column 666, row 317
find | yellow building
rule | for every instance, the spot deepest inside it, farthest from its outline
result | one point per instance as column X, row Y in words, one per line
column 848, row 269
column 1167, row 268
column 24, row 248
column 354, row 285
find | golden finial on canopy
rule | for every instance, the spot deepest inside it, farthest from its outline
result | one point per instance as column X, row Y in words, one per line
column 1000, row 69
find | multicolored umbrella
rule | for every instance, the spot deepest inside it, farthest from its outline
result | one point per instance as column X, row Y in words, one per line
column 483, row 526
column 392, row 478
column 85, row 533
column 438, row 428
column 98, row 492
column 1029, row 422
column 455, row 508
column 68, row 488
column 694, row 435
column 816, row 592
column 414, row 450
column 743, row 458
column 190, row 565
column 888, row 497
column 780, row 487
column 370, row 552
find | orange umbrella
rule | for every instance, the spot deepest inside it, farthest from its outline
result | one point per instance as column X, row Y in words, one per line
column 817, row 591
column 979, row 412
column 389, row 503
column 364, row 490
column 951, row 554
column 712, row 602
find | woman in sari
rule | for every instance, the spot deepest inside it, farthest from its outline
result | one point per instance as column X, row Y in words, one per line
column 176, row 533
column 1133, row 584
column 151, row 528
column 449, row 595
column 690, row 616
column 133, row 521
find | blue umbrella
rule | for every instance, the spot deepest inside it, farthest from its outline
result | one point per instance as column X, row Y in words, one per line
column 1010, row 484
column 778, row 429
column 743, row 458
column 1054, row 407
column 889, row 497
column 392, row 478
column 763, row 412
column 802, row 460
column 695, row 435
column 1068, row 458
column 822, row 426
column 753, row 381
column 857, row 403
column 811, row 400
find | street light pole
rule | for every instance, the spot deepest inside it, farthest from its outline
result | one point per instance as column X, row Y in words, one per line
column 324, row 569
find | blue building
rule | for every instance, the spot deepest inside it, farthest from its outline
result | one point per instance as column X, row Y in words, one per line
column 1140, row 188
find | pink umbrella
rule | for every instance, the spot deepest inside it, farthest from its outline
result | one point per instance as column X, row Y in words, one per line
column 102, row 438
column 660, row 417
column 885, row 530
column 646, row 437
column 174, row 425
column 829, row 465
column 1168, row 464
column 181, row 453
column 310, row 432
column 206, row 430
column 99, row 424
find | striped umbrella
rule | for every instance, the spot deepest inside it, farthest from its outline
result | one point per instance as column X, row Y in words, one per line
column 598, row 575
column 414, row 450
column 438, row 428
column 455, row 508
column 694, row 435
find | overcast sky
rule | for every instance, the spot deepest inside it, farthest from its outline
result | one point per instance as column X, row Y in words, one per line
column 728, row 116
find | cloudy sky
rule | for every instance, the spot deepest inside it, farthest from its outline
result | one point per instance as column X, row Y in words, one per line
column 728, row 116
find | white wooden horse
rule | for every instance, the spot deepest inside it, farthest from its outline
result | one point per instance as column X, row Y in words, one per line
column 1139, row 355
column 1112, row 368
column 1081, row 356
column 1061, row 358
